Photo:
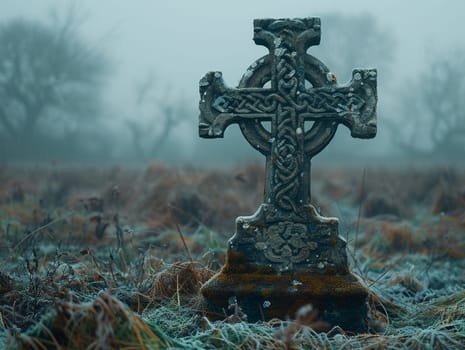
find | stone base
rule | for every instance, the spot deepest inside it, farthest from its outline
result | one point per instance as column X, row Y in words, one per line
column 340, row 299
column 278, row 262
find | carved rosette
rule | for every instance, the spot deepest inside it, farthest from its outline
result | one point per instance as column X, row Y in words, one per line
column 308, row 243
column 286, row 243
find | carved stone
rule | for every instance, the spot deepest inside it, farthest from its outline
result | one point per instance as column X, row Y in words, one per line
column 286, row 255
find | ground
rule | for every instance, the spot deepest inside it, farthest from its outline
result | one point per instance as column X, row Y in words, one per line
column 113, row 258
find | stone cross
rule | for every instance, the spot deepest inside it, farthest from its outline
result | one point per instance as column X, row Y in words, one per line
column 286, row 255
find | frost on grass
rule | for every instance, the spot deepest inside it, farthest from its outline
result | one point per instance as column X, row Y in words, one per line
column 104, row 259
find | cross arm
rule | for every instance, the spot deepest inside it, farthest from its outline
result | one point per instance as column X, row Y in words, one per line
column 353, row 104
column 221, row 106
column 360, row 117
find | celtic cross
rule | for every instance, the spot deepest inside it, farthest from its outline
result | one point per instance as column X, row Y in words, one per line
column 301, row 99
column 287, row 104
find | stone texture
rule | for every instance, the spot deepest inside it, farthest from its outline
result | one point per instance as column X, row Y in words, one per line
column 286, row 255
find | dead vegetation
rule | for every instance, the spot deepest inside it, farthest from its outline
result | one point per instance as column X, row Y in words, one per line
column 115, row 258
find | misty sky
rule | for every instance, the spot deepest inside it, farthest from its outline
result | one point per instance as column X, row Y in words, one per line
column 178, row 41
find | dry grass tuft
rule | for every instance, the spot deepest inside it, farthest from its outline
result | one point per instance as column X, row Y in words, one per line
column 179, row 280
column 104, row 323
column 69, row 234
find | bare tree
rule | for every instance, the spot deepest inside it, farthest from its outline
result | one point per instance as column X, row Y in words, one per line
column 157, row 116
column 48, row 75
column 349, row 42
column 354, row 41
column 433, row 110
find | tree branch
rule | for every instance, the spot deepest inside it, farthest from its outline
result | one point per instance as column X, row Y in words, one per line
column 7, row 125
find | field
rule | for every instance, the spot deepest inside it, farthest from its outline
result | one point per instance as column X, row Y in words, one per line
column 113, row 258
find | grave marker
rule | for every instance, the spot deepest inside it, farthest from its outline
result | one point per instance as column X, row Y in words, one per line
column 286, row 255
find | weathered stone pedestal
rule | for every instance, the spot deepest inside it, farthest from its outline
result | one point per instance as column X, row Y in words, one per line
column 275, row 267
column 286, row 255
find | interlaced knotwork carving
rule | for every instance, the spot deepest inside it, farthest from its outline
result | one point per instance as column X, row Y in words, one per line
column 287, row 103
column 316, row 104
column 325, row 101
column 287, row 163
column 286, row 150
column 286, row 243
column 274, row 255
column 252, row 102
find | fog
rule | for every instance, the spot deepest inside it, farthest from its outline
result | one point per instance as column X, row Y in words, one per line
column 155, row 52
